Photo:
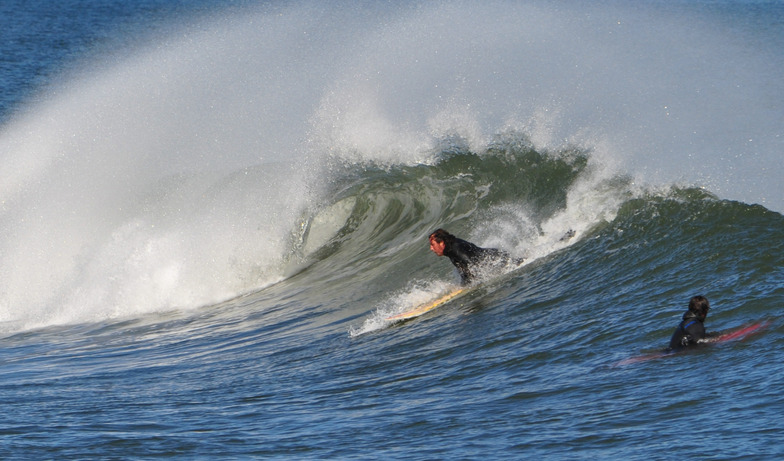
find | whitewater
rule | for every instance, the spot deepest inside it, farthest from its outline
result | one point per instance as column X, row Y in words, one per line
column 208, row 211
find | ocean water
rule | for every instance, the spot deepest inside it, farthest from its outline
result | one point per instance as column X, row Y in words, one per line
column 209, row 208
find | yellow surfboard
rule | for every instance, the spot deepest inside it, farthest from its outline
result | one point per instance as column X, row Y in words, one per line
column 427, row 307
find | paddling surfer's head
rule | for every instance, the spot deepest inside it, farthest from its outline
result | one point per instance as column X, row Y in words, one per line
column 440, row 240
column 700, row 306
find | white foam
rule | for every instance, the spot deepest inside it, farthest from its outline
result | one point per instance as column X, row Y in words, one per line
column 85, row 236
column 407, row 299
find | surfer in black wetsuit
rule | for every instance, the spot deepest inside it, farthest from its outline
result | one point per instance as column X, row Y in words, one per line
column 692, row 328
column 467, row 257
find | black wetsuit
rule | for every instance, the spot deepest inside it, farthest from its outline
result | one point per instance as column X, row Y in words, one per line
column 688, row 332
column 467, row 257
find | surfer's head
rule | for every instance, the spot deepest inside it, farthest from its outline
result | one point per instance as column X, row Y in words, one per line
column 439, row 240
column 700, row 306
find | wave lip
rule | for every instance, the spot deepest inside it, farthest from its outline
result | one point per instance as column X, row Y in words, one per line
column 123, row 192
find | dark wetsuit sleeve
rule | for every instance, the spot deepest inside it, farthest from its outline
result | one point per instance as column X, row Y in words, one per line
column 696, row 331
column 463, row 254
column 466, row 256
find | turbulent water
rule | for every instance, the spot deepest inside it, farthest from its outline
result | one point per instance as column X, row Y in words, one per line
column 208, row 209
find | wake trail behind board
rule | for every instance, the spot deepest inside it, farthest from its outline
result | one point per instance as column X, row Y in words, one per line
column 426, row 307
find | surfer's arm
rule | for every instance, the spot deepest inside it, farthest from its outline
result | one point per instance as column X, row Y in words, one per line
column 695, row 333
column 709, row 337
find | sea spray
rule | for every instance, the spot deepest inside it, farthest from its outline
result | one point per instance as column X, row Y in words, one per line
column 112, row 192
column 521, row 367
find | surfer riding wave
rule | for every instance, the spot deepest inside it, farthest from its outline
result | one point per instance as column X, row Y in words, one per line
column 469, row 259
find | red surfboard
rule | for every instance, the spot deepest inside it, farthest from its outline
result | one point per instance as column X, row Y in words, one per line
column 740, row 333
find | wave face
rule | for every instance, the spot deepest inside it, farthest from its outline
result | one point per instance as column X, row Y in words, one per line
column 145, row 183
column 204, row 226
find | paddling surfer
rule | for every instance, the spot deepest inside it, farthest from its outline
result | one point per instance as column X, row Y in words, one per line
column 691, row 329
column 469, row 259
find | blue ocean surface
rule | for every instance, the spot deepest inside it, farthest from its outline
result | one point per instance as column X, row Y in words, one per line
column 208, row 210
